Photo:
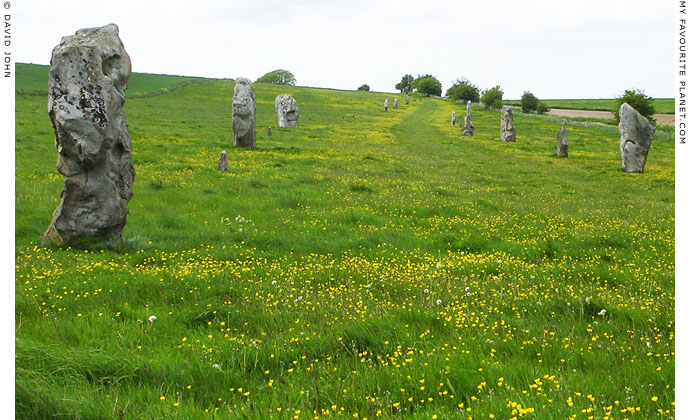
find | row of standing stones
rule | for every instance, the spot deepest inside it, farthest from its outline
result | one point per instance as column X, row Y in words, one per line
column 244, row 116
column 636, row 134
column 395, row 103
column 89, row 72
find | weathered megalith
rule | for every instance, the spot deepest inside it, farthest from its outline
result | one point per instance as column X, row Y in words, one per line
column 223, row 163
column 407, row 100
column 467, row 126
column 87, row 82
column 507, row 126
column 395, row 103
column 286, row 108
column 636, row 137
column 244, row 113
column 270, row 132
column 562, row 142
column 452, row 118
column 385, row 105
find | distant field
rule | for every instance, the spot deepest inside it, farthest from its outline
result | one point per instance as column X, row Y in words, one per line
column 33, row 79
column 661, row 105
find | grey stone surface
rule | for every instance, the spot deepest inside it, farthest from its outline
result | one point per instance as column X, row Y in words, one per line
column 385, row 105
column 395, row 103
column 562, row 143
column 288, row 113
column 452, row 118
column 223, row 163
column 467, row 126
column 88, row 77
column 407, row 100
column 270, row 132
column 244, row 113
column 507, row 126
column 636, row 138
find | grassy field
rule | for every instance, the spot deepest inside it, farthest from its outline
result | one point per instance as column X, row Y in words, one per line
column 365, row 264
column 33, row 80
column 661, row 105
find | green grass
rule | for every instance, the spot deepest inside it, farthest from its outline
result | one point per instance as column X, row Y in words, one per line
column 360, row 264
column 32, row 79
column 661, row 105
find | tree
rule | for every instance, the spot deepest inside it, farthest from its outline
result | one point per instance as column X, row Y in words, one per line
column 463, row 90
column 493, row 98
column 529, row 102
column 637, row 99
column 413, row 85
column 364, row 88
column 542, row 108
column 405, row 85
column 278, row 77
column 428, row 85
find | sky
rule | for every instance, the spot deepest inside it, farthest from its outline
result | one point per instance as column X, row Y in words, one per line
column 552, row 48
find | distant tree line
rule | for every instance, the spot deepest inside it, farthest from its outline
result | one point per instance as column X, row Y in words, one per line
column 425, row 84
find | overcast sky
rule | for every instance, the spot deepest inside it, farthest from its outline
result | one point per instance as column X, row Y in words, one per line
column 553, row 48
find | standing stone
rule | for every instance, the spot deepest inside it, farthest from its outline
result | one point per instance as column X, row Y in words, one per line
column 467, row 126
column 452, row 118
column 636, row 138
column 286, row 108
column 407, row 100
column 270, row 132
column 223, row 164
column 385, row 105
column 88, row 77
column 244, row 113
column 562, row 142
column 507, row 126
column 395, row 103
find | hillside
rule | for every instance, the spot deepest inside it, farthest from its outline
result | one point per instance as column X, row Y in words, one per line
column 364, row 264
column 32, row 79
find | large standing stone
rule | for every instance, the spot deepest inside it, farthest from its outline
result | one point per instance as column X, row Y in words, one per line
column 562, row 142
column 87, row 82
column 407, row 100
column 452, row 118
column 286, row 108
column 385, row 105
column 223, row 163
column 507, row 126
column 467, row 126
column 244, row 113
column 395, row 103
column 636, row 137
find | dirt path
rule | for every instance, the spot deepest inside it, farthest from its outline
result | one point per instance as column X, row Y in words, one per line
column 663, row 118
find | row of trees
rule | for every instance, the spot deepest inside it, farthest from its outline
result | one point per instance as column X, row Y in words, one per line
column 464, row 90
column 425, row 84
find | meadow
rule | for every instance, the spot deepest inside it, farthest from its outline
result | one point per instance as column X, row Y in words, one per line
column 661, row 105
column 362, row 265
